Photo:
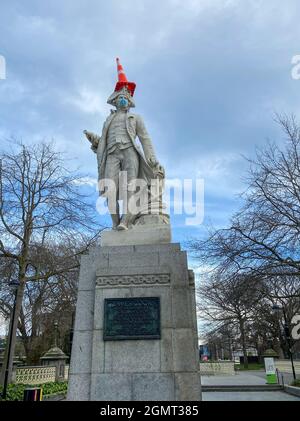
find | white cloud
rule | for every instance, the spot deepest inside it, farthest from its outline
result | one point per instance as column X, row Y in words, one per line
column 208, row 74
column 34, row 24
column 87, row 101
column 215, row 166
column 13, row 90
column 87, row 181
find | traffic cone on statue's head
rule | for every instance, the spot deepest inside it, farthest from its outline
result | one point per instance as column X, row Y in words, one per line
column 121, row 74
column 122, row 87
column 122, row 80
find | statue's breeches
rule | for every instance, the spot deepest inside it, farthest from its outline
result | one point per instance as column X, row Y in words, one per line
column 122, row 160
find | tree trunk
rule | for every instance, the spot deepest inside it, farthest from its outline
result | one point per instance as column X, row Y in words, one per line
column 27, row 346
column 279, row 349
column 243, row 341
column 230, row 349
column 217, row 353
column 19, row 300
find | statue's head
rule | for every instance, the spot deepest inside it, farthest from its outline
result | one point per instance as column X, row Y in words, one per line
column 122, row 102
column 122, row 99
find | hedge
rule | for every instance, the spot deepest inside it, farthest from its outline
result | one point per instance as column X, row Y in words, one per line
column 15, row 392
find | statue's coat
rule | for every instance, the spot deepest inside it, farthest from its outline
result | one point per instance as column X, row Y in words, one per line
column 136, row 128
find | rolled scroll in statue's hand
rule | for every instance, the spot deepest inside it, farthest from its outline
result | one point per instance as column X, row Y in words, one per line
column 92, row 138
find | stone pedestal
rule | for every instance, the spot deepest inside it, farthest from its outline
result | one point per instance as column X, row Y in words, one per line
column 138, row 235
column 132, row 370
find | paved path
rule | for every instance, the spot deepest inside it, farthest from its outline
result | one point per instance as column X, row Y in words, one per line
column 248, row 396
column 249, row 378
column 240, row 379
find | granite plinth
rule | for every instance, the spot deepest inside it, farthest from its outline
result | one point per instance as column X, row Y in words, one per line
column 137, row 235
column 155, row 369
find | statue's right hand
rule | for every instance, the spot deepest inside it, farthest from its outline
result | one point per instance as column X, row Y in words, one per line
column 93, row 139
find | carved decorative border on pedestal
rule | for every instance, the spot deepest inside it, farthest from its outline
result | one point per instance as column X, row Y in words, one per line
column 159, row 278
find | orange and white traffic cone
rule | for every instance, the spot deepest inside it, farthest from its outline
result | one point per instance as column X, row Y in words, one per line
column 121, row 74
column 122, row 80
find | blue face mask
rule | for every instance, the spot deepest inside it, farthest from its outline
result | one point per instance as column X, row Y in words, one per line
column 123, row 102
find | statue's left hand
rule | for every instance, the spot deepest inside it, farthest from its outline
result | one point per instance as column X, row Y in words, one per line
column 152, row 162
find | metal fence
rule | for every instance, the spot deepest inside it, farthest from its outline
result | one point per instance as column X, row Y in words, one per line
column 285, row 366
column 217, row 368
column 37, row 374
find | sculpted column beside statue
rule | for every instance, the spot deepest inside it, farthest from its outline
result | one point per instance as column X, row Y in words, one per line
column 126, row 172
column 135, row 334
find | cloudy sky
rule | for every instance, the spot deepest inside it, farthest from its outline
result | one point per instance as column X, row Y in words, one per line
column 210, row 74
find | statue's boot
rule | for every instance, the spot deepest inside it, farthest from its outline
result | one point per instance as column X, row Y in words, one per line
column 124, row 222
column 115, row 221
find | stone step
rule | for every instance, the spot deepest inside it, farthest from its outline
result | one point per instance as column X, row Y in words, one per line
column 242, row 388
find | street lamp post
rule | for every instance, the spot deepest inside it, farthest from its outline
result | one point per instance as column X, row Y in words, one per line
column 55, row 334
column 287, row 336
column 15, row 284
column 71, row 332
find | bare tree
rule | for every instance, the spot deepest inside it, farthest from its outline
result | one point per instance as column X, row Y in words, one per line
column 220, row 337
column 262, row 242
column 264, row 328
column 49, row 300
column 40, row 203
column 230, row 301
column 264, row 236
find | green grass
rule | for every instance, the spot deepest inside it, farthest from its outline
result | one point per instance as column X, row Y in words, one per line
column 15, row 392
column 252, row 366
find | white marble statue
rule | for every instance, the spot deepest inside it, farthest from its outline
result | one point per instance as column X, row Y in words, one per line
column 118, row 151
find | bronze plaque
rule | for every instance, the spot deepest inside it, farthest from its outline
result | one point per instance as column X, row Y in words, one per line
column 131, row 318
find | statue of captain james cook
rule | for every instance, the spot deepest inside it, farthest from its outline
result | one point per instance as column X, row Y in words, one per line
column 117, row 150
